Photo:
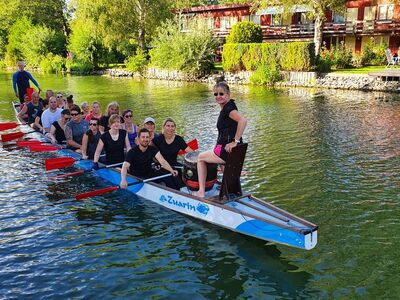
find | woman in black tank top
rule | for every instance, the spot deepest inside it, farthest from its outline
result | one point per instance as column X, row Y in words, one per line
column 113, row 142
column 230, row 125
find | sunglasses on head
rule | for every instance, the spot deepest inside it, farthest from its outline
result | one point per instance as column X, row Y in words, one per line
column 128, row 116
column 93, row 124
column 74, row 114
column 219, row 94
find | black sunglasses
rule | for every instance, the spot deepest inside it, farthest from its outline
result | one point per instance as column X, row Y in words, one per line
column 74, row 114
column 218, row 94
column 93, row 124
column 128, row 116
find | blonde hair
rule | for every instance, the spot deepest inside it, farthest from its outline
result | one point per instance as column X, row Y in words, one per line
column 114, row 118
column 111, row 104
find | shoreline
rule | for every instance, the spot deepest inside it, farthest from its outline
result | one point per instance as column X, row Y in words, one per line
column 362, row 82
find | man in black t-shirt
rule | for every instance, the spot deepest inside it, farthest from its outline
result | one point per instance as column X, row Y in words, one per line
column 138, row 160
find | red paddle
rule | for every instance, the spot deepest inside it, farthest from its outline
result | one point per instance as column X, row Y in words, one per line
column 27, row 143
column 192, row 144
column 14, row 136
column 58, row 163
column 42, row 148
column 82, row 171
column 116, row 187
column 9, row 125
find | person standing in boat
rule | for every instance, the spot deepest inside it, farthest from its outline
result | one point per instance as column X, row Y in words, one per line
column 57, row 130
column 112, row 108
column 91, row 139
column 75, row 129
column 140, row 158
column 20, row 81
column 230, row 125
column 129, row 126
column 113, row 141
column 31, row 110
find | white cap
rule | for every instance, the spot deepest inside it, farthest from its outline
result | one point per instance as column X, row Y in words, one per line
column 21, row 63
column 149, row 119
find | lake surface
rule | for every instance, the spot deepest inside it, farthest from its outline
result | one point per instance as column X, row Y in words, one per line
column 331, row 157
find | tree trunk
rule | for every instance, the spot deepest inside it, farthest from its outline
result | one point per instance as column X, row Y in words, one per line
column 318, row 33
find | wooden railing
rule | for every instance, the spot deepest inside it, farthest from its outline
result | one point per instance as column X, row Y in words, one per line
column 307, row 30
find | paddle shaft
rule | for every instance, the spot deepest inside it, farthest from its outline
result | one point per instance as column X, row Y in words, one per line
column 83, row 171
column 117, row 187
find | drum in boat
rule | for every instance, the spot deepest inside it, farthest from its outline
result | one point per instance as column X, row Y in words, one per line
column 189, row 175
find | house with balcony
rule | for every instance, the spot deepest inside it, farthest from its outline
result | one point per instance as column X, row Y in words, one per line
column 362, row 21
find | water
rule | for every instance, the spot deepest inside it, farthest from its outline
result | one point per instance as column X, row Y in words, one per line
column 331, row 157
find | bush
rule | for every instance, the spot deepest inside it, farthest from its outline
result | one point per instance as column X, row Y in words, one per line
column 245, row 32
column 52, row 63
column 191, row 52
column 138, row 62
column 265, row 74
column 373, row 55
column 287, row 56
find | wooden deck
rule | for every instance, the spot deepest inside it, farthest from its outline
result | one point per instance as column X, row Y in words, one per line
column 394, row 73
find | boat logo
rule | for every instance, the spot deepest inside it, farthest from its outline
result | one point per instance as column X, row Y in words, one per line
column 201, row 207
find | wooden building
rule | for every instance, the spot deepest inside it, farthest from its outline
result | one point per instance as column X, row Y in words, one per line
column 364, row 20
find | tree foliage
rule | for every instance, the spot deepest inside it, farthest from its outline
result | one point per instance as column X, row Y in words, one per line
column 190, row 52
column 245, row 32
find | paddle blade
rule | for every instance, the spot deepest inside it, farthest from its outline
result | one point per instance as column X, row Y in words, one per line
column 12, row 136
column 27, row 143
column 67, row 175
column 6, row 126
column 58, row 163
column 97, row 192
column 192, row 144
column 42, row 148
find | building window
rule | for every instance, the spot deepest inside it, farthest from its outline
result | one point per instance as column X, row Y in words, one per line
column 386, row 12
column 337, row 18
column 276, row 20
column 256, row 19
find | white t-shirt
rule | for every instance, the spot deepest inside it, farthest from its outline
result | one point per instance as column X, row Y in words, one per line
column 49, row 117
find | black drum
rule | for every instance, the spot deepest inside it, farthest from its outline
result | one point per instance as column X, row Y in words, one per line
column 190, row 172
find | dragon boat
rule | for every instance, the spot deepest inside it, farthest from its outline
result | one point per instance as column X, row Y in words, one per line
column 225, row 204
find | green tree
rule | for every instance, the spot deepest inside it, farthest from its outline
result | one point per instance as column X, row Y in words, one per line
column 121, row 23
column 16, row 40
column 245, row 32
column 190, row 52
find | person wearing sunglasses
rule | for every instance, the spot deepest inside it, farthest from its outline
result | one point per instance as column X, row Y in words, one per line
column 230, row 125
column 91, row 139
column 57, row 135
column 61, row 103
column 75, row 129
column 129, row 126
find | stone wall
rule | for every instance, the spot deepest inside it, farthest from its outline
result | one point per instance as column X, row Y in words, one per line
column 290, row 79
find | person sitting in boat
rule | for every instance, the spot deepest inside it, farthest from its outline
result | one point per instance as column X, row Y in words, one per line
column 113, row 142
column 57, row 130
column 38, row 120
column 139, row 160
column 112, row 108
column 30, row 111
column 49, row 94
column 91, row 139
column 96, row 112
column 85, row 109
column 150, row 124
column 75, row 129
column 61, row 103
column 51, row 114
column 230, row 125
column 129, row 126
column 70, row 102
